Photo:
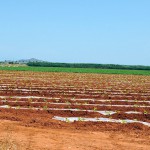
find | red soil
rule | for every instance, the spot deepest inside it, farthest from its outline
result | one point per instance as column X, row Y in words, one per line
column 35, row 129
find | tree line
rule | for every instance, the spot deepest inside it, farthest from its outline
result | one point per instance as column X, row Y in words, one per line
column 88, row 65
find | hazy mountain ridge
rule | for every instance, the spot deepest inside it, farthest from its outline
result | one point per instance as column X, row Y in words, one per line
column 23, row 61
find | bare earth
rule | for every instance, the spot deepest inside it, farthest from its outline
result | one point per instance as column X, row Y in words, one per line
column 30, row 100
column 15, row 136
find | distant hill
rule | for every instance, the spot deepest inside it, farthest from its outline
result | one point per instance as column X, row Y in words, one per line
column 23, row 61
column 29, row 60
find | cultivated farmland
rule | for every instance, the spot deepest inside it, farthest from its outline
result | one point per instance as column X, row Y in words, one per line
column 94, row 102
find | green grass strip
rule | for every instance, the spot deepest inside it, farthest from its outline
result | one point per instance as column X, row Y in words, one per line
column 77, row 70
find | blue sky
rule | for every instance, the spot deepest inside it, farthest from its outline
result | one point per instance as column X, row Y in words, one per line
column 88, row 31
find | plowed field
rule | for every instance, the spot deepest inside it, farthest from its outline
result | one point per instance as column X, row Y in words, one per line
column 73, row 102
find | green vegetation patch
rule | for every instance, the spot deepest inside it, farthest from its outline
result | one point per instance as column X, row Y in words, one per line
column 77, row 70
